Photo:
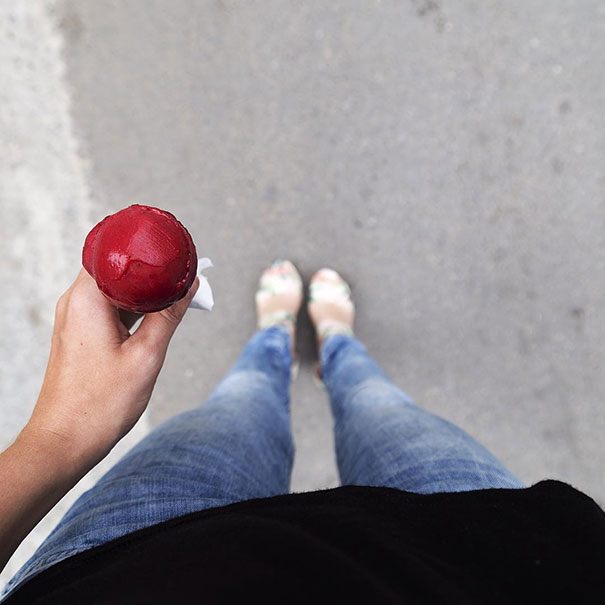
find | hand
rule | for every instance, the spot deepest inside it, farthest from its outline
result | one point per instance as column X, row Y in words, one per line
column 99, row 377
column 98, row 382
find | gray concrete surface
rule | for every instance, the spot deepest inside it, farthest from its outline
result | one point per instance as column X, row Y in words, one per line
column 447, row 157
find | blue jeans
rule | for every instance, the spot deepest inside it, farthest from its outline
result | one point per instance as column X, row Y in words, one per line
column 238, row 445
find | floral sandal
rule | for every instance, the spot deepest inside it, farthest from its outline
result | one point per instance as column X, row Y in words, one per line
column 278, row 299
column 327, row 286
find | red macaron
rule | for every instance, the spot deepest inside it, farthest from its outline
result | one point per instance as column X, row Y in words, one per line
column 142, row 258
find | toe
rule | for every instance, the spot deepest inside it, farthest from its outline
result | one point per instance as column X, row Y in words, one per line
column 327, row 274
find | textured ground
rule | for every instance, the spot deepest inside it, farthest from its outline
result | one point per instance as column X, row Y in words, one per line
column 447, row 157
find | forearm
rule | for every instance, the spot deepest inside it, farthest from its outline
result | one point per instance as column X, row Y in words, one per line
column 36, row 471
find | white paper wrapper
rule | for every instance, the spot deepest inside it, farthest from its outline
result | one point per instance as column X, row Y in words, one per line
column 203, row 298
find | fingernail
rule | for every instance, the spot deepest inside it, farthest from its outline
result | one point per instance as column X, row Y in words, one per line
column 194, row 288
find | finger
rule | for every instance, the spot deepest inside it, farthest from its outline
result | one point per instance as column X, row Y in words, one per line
column 86, row 308
column 86, row 292
column 83, row 274
column 157, row 329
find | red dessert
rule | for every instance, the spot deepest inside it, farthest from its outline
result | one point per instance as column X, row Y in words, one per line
column 142, row 258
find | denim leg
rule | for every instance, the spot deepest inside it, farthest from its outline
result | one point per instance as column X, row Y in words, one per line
column 236, row 446
column 384, row 439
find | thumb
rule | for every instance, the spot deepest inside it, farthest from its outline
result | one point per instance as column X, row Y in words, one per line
column 157, row 329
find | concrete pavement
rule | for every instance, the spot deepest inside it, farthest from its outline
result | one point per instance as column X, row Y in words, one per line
column 447, row 157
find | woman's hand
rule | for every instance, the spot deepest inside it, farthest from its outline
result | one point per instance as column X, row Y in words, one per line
column 98, row 382
column 99, row 377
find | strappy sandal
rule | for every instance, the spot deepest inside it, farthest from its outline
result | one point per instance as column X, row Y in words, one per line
column 280, row 279
column 327, row 286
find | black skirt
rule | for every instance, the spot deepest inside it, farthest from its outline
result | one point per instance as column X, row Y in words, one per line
column 544, row 544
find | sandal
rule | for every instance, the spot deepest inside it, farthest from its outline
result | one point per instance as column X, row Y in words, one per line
column 327, row 286
column 278, row 298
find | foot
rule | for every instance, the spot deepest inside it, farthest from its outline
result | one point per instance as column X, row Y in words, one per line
column 279, row 297
column 330, row 305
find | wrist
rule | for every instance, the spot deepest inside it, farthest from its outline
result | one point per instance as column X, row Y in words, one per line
column 79, row 431
column 63, row 455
